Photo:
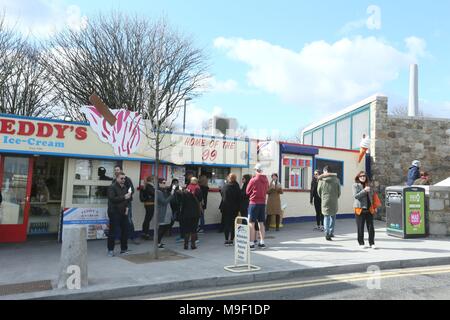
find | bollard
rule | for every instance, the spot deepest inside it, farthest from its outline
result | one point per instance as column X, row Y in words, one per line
column 73, row 269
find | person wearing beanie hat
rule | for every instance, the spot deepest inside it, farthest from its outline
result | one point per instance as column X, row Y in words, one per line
column 413, row 173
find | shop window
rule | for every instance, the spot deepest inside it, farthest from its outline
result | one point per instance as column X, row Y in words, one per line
column 46, row 195
column 94, row 169
column 295, row 173
column 90, row 194
column 216, row 175
column 336, row 167
column 92, row 179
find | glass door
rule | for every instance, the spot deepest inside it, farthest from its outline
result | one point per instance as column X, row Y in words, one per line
column 15, row 186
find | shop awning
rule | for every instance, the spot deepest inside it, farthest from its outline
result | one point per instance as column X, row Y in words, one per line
column 298, row 149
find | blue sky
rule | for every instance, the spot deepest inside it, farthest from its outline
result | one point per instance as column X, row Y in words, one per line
column 280, row 65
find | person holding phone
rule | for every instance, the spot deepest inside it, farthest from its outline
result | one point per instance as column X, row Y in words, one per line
column 118, row 199
column 362, row 196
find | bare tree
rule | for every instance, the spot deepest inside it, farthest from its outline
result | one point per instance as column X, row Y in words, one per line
column 403, row 111
column 114, row 57
column 24, row 87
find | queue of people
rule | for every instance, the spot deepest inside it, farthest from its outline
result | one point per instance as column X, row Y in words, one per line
column 257, row 199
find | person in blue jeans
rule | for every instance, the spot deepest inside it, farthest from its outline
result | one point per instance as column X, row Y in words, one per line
column 329, row 190
column 130, row 187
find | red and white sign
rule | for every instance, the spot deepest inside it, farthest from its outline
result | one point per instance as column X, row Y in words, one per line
column 124, row 136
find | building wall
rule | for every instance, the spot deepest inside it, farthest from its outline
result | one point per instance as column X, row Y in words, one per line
column 439, row 211
column 400, row 140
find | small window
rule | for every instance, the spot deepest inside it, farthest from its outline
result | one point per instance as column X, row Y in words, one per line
column 94, row 169
column 216, row 175
column 90, row 194
column 296, row 172
column 336, row 167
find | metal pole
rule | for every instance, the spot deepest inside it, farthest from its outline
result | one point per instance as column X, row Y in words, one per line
column 184, row 116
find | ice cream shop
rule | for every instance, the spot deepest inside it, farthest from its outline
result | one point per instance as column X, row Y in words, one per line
column 55, row 173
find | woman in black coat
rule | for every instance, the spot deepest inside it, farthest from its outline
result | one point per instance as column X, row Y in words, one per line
column 231, row 202
column 188, row 218
column 314, row 198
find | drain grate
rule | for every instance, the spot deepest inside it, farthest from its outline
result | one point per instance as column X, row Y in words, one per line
column 26, row 287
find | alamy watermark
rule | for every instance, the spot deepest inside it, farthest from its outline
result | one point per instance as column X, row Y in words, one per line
column 73, row 282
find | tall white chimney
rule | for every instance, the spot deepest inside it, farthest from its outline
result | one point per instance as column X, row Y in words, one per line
column 413, row 107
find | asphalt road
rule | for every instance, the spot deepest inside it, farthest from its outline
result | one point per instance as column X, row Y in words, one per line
column 401, row 284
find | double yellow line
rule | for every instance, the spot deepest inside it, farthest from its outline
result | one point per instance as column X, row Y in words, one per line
column 310, row 283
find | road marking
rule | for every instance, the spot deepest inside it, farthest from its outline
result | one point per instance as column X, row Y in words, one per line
column 308, row 283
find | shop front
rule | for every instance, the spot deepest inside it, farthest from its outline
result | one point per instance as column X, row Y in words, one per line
column 55, row 173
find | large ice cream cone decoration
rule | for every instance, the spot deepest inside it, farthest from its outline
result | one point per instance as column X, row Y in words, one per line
column 364, row 146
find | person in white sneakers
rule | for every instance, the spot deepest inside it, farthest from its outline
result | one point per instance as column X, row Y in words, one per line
column 362, row 196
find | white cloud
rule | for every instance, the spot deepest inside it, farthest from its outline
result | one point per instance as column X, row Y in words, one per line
column 323, row 74
column 42, row 18
column 416, row 46
column 215, row 85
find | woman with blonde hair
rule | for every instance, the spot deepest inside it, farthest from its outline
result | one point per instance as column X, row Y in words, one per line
column 231, row 198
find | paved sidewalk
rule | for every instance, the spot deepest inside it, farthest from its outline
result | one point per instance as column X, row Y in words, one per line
column 294, row 251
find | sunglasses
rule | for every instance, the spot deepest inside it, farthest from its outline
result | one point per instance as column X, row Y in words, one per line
column 363, row 176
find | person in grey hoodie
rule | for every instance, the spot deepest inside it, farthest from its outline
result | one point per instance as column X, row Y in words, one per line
column 329, row 190
column 164, row 210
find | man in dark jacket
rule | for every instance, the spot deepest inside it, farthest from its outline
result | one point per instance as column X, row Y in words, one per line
column 118, row 198
column 413, row 173
column 129, row 186
column 314, row 198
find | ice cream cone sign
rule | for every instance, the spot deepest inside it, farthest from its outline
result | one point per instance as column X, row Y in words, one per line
column 364, row 146
column 103, row 109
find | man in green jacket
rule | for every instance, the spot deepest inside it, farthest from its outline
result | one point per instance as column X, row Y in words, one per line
column 329, row 190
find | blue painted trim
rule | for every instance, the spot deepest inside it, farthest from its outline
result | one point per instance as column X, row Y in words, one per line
column 81, row 156
column 351, row 132
column 70, row 155
column 287, row 148
column 343, row 117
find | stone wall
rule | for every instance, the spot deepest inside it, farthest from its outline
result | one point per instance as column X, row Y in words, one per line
column 397, row 141
column 439, row 211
